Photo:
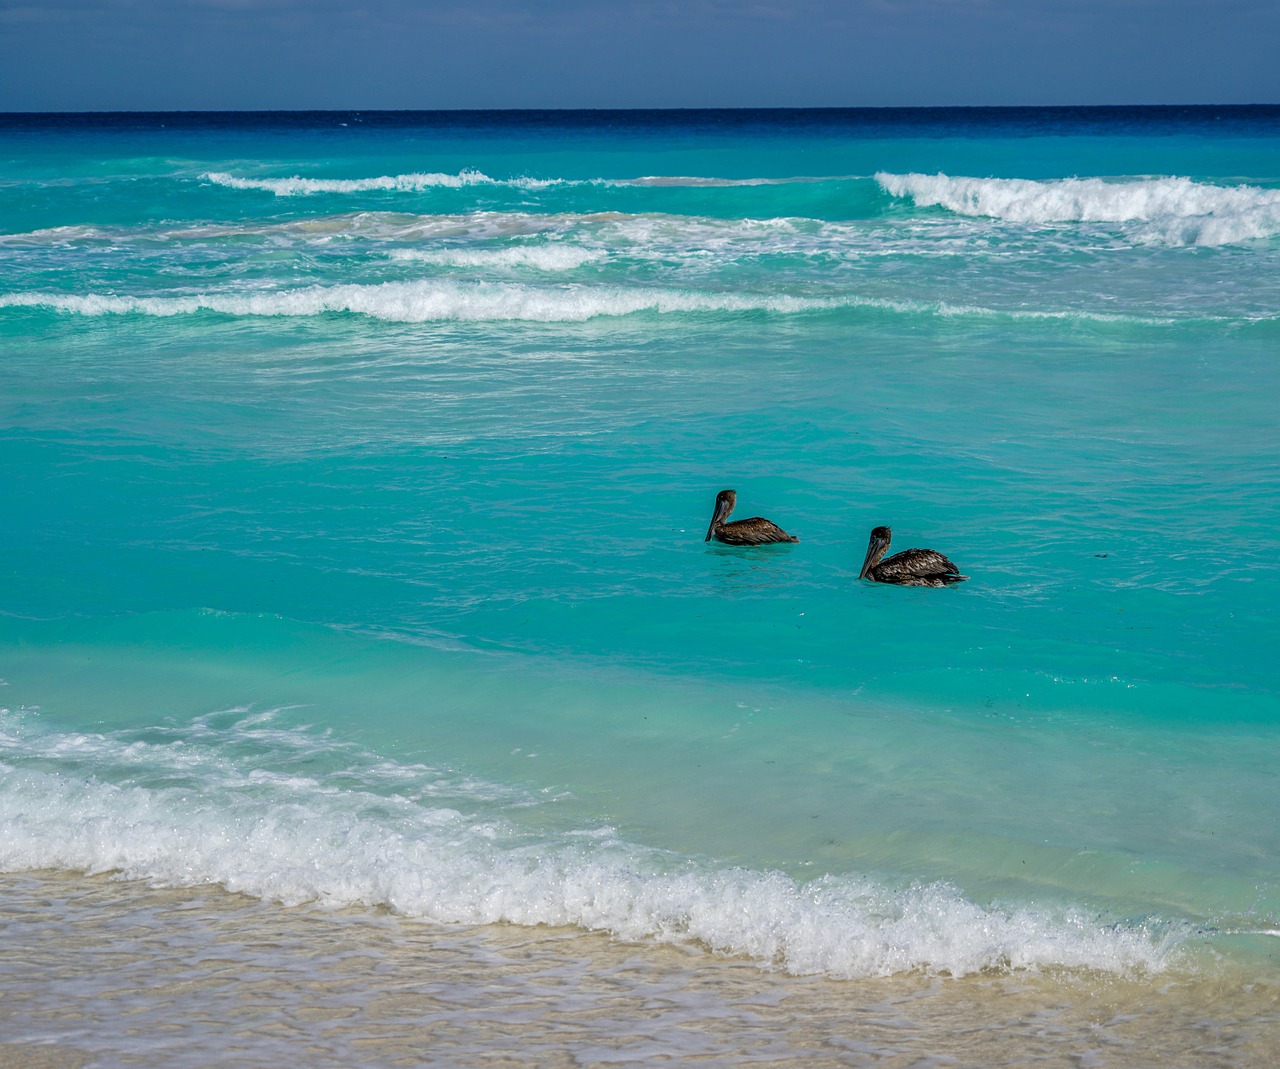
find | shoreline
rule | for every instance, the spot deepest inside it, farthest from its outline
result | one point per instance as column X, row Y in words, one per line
column 105, row 972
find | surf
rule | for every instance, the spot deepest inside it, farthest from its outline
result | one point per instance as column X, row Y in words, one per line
column 1174, row 211
column 172, row 807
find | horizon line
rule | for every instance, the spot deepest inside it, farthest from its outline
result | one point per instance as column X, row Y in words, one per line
column 628, row 109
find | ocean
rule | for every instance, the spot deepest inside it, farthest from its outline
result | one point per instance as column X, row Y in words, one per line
column 370, row 695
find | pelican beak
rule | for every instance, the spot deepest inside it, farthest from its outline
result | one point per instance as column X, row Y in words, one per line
column 875, row 550
column 723, row 509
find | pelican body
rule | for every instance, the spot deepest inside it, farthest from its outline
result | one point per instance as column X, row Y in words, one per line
column 755, row 531
column 911, row 567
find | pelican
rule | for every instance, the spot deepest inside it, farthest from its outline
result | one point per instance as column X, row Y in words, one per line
column 911, row 567
column 753, row 532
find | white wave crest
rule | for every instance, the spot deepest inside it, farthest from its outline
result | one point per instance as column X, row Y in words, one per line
column 180, row 811
column 698, row 182
column 540, row 257
column 1175, row 211
column 428, row 301
column 296, row 185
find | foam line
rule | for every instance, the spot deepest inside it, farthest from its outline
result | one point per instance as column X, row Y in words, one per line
column 428, row 301
column 541, row 257
column 180, row 811
column 296, row 185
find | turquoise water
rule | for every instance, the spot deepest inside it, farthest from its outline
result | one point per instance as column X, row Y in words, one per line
column 356, row 472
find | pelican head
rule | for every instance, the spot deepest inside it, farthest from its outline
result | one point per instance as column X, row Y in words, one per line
column 725, row 501
column 877, row 547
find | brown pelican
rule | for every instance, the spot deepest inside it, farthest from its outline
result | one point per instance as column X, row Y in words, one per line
column 911, row 567
column 753, row 532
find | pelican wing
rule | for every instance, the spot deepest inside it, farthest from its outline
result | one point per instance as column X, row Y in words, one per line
column 918, row 567
column 756, row 531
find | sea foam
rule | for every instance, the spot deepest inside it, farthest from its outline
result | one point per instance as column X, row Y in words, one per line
column 296, row 185
column 55, row 235
column 172, row 808
column 1175, row 211
column 435, row 301
column 428, row 301
column 539, row 257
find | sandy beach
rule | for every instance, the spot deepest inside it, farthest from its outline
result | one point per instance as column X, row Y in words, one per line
column 100, row 972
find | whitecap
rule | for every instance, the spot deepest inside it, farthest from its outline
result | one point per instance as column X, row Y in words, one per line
column 296, row 185
column 444, row 300
column 429, row 301
column 559, row 257
column 1175, row 211
column 697, row 182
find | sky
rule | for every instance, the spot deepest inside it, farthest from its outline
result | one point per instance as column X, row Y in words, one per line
column 94, row 55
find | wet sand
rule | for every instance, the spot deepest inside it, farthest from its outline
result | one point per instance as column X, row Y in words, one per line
column 100, row 972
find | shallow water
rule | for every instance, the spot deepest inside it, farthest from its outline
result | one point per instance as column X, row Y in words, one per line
column 357, row 470
column 127, row 975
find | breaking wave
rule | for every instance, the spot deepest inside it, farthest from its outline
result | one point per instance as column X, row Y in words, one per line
column 296, row 185
column 238, row 799
column 540, row 257
column 439, row 300
column 429, row 301
column 695, row 182
column 1174, row 211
